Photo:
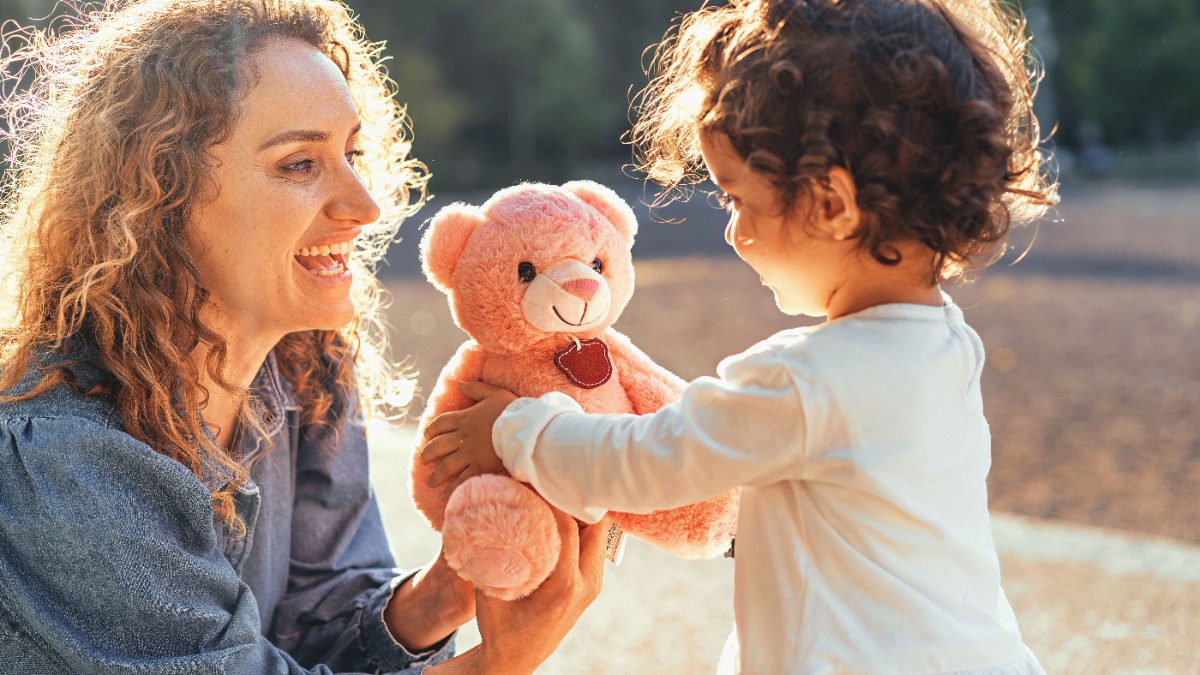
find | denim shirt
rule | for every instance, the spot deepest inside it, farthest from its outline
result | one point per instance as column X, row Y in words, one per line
column 110, row 560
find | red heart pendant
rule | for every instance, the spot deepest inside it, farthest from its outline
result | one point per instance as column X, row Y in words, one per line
column 587, row 364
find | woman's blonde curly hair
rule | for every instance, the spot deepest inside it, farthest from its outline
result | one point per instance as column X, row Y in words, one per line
column 111, row 115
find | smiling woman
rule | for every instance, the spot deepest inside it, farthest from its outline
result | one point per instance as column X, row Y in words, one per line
column 200, row 191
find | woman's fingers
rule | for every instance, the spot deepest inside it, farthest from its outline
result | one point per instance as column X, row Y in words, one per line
column 593, row 540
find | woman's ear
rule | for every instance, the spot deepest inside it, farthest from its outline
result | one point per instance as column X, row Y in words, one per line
column 839, row 205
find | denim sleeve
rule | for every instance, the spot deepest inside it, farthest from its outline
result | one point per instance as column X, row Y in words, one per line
column 342, row 572
column 109, row 562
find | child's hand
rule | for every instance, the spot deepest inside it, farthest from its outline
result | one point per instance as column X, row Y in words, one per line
column 462, row 440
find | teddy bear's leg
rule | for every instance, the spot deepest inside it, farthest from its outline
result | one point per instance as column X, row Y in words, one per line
column 700, row 530
column 500, row 535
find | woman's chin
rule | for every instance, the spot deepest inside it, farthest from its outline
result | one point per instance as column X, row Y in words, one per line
column 327, row 317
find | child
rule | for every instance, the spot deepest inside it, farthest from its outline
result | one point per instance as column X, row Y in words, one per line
column 867, row 150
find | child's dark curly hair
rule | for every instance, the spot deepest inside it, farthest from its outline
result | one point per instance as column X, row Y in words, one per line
column 927, row 103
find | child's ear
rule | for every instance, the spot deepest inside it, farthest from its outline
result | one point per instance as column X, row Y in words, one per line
column 608, row 203
column 839, row 205
column 444, row 240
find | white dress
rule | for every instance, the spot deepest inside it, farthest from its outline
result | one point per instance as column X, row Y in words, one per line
column 863, row 543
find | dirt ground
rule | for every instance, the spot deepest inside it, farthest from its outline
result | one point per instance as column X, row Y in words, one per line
column 1093, row 384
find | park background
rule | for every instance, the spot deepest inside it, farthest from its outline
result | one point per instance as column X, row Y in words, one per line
column 1093, row 384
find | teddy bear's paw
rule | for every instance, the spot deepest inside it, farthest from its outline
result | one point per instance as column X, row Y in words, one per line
column 501, row 536
column 494, row 567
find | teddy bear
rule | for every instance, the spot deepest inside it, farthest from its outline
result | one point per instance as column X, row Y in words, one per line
column 536, row 277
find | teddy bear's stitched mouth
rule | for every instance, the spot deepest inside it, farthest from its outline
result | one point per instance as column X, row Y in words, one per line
column 581, row 323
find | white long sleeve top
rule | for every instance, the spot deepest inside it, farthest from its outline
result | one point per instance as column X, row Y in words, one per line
column 863, row 540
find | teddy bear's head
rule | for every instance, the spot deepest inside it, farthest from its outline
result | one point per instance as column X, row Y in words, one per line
column 534, row 264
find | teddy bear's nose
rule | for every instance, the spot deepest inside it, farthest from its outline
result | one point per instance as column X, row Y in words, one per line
column 583, row 289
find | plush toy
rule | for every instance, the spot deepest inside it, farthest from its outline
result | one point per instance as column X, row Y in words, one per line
column 536, row 277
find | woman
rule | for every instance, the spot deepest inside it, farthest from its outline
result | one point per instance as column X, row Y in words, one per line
column 199, row 192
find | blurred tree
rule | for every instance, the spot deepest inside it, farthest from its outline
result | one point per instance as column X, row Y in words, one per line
column 1133, row 68
column 501, row 90
column 512, row 89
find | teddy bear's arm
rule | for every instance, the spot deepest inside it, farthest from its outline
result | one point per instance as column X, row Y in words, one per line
column 648, row 385
column 466, row 364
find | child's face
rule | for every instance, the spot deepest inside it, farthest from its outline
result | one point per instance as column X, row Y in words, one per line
column 803, row 266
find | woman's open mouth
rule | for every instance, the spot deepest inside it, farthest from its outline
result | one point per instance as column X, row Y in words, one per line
column 326, row 260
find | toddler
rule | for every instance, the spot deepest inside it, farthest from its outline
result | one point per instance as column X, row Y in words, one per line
column 866, row 150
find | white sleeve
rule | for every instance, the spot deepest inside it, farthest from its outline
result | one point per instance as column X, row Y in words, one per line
column 744, row 428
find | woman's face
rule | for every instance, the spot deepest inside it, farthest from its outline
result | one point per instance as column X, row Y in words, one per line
column 271, row 247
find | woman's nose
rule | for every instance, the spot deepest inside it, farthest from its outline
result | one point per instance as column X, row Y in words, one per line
column 729, row 232
column 353, row 203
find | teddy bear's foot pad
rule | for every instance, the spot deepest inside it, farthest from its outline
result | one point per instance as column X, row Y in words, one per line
column 495, row 567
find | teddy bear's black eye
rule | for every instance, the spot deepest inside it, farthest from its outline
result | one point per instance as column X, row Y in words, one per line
column 526, row 272
column 598, row 266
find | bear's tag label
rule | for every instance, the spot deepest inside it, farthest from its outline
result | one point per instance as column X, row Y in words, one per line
column 615, row 549
column 585, row 363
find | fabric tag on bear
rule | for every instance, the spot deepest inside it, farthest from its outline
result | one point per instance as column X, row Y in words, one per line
column 614, row 550
column 585, row 363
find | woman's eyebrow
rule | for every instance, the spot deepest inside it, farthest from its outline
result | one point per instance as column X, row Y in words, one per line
column 302, row 135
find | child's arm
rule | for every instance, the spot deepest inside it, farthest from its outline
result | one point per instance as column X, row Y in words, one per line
column 745, row 428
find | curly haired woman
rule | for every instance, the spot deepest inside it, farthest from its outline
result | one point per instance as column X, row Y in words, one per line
column 199, row 191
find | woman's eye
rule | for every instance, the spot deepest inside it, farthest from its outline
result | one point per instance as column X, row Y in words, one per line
column 726, row 202
column 353, row 155
column 526, row 272
column 598, row 266
column 303, row 166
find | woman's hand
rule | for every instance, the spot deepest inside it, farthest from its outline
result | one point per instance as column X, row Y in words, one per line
column 518, row 636
column 461, row 441
column 426, row 608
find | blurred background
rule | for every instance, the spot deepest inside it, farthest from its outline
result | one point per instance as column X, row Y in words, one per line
column 1093, row 384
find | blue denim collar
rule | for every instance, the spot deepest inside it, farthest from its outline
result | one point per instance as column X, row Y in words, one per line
column 271, row 398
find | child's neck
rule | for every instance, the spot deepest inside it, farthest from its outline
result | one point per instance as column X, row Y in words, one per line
column 876, row 284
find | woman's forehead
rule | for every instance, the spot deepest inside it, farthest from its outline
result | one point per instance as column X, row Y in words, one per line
column 295, row 85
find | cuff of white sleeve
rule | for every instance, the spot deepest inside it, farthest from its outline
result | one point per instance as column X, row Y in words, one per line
column 515, row 435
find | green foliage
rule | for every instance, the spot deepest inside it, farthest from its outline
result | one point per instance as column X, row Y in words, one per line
column 501, row 90
column 512, row 89
column 1131, row 67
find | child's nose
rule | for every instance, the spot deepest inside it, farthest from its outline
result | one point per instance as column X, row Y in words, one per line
column 583, row 289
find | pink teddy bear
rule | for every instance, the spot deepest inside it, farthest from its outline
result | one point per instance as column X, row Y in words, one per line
column 536, row 277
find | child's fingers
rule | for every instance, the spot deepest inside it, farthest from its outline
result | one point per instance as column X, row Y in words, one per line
column 469, row 472
column 442, row 424
column 477, row 391
column 439, row 447
column 450, row 466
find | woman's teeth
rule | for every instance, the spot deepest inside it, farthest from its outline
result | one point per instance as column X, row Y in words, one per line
column 326, row 260
column 343, row 248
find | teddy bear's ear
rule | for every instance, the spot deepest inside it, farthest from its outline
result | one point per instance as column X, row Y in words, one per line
column 609, row 205
column 444, row 240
